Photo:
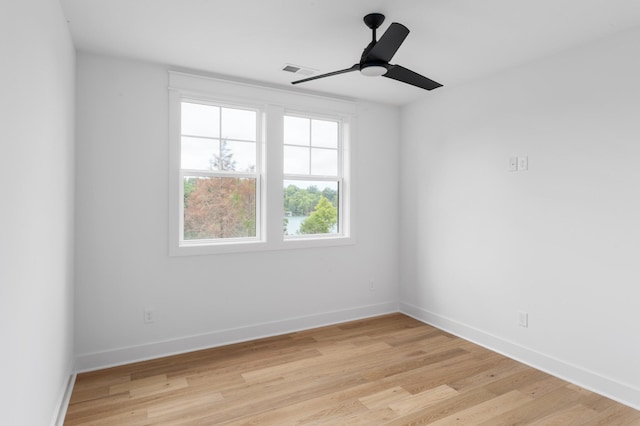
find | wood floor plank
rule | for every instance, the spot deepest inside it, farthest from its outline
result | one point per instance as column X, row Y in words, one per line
column 572, row 415
column 332, row 414
column 320, row 362
column 136, row 384
column 487, row 410
column 159, row 388
column 616, row 414
column 388, row 370
column 422, row 400
column 102, row 406
column 542, row 387
column 502, row 368
column 446, row 408
column 383, row 399
column 168, row 408
column 536, row 408
column 376, row 417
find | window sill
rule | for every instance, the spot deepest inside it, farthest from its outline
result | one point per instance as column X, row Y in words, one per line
column 259, row 246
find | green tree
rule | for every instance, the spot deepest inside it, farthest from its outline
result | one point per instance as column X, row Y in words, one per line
column 321, row 220
column 189, row 186
column 304, row 203
column 330, row 194
column 289, row 195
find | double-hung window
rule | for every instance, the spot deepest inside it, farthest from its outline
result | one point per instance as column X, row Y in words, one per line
column 254, row 168
column 312, row 176
column 219, row 172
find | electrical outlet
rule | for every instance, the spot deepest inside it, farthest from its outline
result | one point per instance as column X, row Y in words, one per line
column 148, row 316
column 523, row 163
column 513, row 164
column 523, row 319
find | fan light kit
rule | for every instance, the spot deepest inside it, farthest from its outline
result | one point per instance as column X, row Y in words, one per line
column 373, row 71
column 374, row 61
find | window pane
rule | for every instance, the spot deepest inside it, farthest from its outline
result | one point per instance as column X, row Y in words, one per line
column 324, row 133
column 324, row 162
column 200, row 120
column 296, row 160
column 296, row 130
column 243, row 156
column 311, row 207
column 198, row 153
column 219, row 207
column 238, row 124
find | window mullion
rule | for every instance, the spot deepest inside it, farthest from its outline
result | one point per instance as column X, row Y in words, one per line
column 274, row 156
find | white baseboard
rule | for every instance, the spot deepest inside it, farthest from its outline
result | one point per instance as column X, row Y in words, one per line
column 63, row 403
column 127, row 355
column 611, row 388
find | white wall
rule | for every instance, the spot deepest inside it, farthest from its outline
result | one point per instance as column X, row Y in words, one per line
column 36, row 210
column 122, row 235
column 560, row 241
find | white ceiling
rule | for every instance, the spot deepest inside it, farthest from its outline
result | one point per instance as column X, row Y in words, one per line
column 451, row 41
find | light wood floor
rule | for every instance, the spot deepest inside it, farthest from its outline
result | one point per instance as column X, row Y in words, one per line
column 388, row 370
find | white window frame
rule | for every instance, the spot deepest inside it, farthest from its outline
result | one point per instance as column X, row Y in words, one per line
column 257, row 174
column 320, row 178
column 273, row 104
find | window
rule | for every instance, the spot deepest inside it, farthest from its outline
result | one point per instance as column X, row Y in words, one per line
column 253, row 168
column 312, row 176
column 219, row 172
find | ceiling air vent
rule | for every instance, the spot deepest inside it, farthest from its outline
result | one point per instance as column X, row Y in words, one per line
column 296, row 69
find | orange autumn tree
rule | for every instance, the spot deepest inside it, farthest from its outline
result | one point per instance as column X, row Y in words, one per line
column 219, row 207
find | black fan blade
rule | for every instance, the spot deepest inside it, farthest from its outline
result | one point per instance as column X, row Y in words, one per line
column 355, row 67
column 388, row 44
column 405, row 75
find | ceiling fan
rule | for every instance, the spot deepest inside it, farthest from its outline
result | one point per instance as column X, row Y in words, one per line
column 376, row 56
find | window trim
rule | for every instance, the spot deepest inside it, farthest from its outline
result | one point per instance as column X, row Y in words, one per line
column 257, row 174
column 339, row 178
column 273, row 104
